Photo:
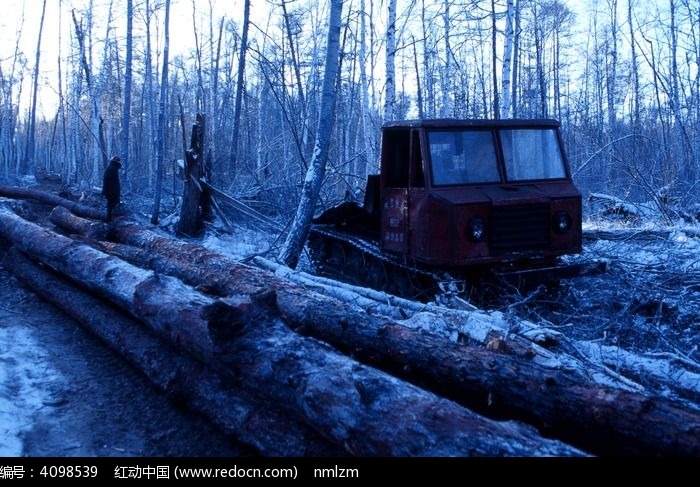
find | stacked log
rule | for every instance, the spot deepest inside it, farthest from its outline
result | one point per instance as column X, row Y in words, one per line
column 505, row 382
column 242, row 337
column 265, row 342
column 234, row 411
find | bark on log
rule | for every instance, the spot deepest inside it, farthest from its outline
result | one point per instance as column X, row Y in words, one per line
column 51, row 199
column 564, row 402
column 367, row 411
column 63, row 218
column 169, row 307
column 346, row 402
column 234, row 411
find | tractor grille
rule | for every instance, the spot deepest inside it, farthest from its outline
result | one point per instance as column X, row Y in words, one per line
column 519, row 228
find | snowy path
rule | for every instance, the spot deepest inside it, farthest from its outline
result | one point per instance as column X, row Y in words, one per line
column 63, row 393
column 25, row 378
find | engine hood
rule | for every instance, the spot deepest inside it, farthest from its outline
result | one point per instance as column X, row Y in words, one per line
column 508, row 194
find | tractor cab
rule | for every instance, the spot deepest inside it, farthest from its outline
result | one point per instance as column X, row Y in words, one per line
column 456, row 193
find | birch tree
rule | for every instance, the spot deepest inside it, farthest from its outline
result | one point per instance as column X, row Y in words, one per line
column 160, row 146
column 366, row 128
column 507, row 60
column 29, row 151
column 636, row 99
column 390, row 92
column 126, row 113
column 516, row 64
column 447, row 74
column 315, row 174
column 494, row 61
column 239, row 87
column 612, row 67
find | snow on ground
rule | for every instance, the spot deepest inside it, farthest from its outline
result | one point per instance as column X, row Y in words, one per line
column 24, row 375
column 658, row 277
column 241, row 244
column 63, row 393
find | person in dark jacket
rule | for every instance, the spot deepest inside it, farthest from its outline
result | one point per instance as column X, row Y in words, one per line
column 111, row 188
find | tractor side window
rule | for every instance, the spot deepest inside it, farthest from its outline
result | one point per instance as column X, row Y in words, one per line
column 396, row 147
column 463, row 157
column 417, row 175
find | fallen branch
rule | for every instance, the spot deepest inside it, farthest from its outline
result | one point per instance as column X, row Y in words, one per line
column 51, row 199
column 243, row 208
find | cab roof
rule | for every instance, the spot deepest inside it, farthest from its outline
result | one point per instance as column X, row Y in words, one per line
column 453, row 123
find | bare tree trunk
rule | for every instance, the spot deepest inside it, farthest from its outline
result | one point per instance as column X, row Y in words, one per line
column 667, row 164
column 216, row 116
column 419, row 92
column 516, row 62
column 507, row 61
column 66, row 158
column 636, row 100
column 673, row 28
column 151, row 115
column 126, row 110
column 447, row 74
column 200, row 99
column 494, row 62
column 303, row 110
column 95, row 122
column 367, row 132
column 28, row 158
column 390, row 91
column 160, row 146
column 556, row 70
column 686, row 163
column 427, row 71
column 239, row 88
column 612, row 70
column 314, row 176
column 539, row 62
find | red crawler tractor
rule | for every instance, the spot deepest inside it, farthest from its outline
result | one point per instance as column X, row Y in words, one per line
column 459, row 198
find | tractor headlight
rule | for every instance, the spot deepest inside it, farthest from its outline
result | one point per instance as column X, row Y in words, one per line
column 561, row 222
column 476, row 230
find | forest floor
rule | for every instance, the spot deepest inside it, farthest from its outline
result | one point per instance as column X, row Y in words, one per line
column 647, row 300
column 63, row 393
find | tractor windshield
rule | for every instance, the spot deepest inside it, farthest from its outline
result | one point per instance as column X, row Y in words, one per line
column 463, row 157
column 531, row 154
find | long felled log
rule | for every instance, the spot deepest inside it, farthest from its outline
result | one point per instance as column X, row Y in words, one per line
column 235, row 411
column 51, row 199
column 365, row 411
column 564, row 402
column 169, row 307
